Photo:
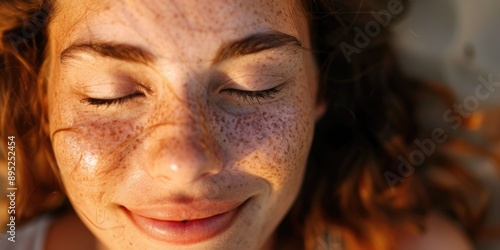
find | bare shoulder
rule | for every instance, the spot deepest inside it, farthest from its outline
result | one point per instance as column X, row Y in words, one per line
column 441, row 233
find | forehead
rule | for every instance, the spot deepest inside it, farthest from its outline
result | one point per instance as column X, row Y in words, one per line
column 182, row 26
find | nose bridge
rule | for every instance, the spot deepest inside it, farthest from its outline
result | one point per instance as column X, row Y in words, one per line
column 181, row 145
column 182, row 152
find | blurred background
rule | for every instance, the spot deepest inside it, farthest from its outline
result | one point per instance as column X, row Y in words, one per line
column 456, row 42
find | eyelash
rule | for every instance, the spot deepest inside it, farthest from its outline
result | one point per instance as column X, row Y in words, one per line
column 109, row 102
column 253, row 96
column 248, row 96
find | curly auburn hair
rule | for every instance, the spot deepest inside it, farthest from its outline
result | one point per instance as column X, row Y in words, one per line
column 371, row 119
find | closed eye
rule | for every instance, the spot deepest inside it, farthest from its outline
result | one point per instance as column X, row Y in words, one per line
column 109, row 102
column 245, row 95
column 253, row 96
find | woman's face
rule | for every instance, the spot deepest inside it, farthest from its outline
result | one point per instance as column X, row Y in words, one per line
column 181, row 124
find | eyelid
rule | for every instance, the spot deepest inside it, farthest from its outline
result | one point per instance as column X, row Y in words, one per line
column 252, row 97
column 138, row 91
column 244, row 91
column 119, row 85
column 236, row 82
column 109, row 102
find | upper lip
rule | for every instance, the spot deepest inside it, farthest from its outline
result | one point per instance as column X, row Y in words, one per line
column 184, row 211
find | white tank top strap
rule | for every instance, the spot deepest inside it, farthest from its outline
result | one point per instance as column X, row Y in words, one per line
column 31, row 236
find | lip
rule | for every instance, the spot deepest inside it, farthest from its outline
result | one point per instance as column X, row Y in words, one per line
column 184, row 224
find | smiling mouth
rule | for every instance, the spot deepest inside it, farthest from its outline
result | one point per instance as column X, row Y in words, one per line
column 177, row 230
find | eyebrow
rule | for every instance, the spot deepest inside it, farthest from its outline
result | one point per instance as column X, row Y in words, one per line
column 249, row 45
column 257, row 43
column 124, row 52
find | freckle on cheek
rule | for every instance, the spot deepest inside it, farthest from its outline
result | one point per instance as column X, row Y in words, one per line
column 97, row 143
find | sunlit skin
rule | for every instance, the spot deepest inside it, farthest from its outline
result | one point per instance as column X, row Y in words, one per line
column 182, row 137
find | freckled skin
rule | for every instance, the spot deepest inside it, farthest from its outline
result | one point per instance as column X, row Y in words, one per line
column 223, row 147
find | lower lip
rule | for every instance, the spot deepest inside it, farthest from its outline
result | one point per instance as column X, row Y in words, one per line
column 185, row 233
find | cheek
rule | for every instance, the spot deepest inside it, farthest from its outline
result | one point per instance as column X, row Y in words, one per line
column 89, row 154
column 272, row 143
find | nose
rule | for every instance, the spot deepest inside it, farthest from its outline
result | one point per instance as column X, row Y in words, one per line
column 181, row 154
